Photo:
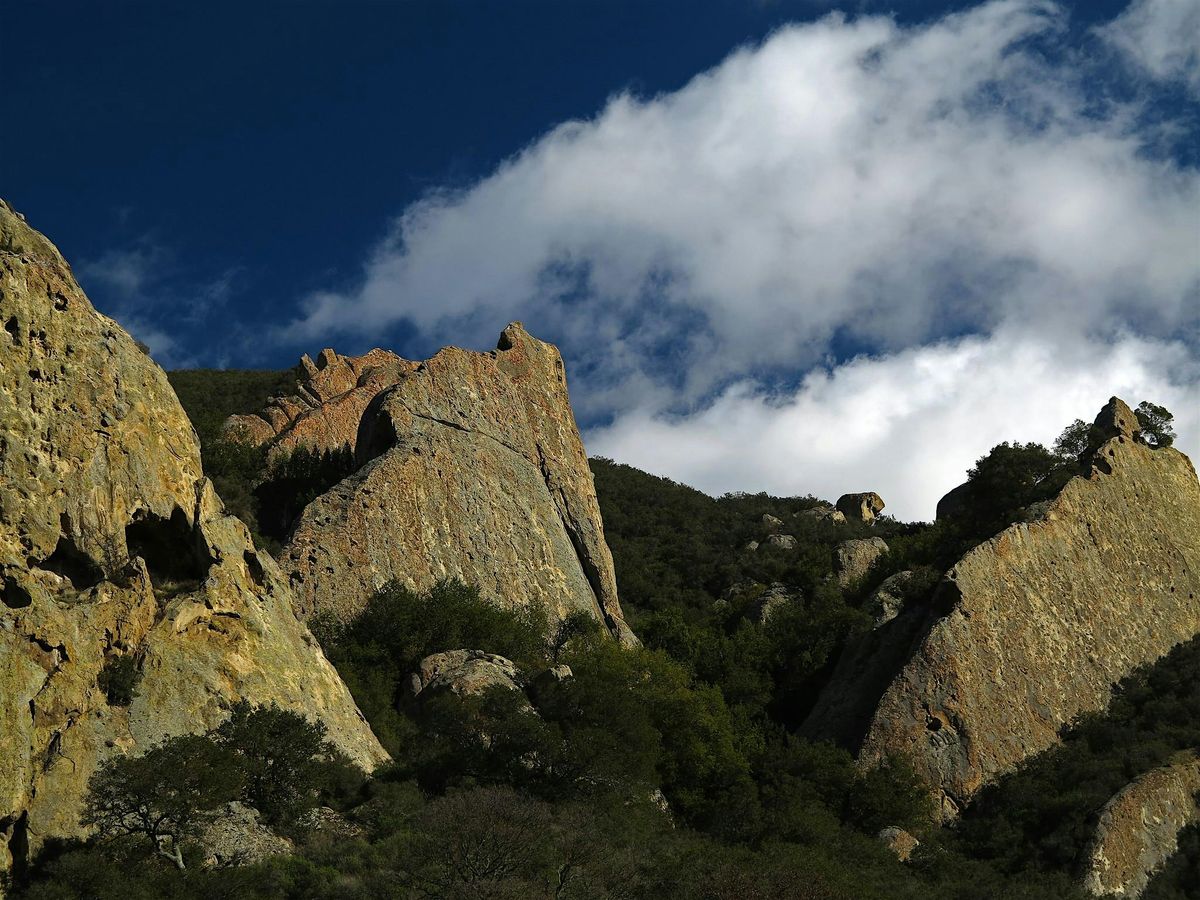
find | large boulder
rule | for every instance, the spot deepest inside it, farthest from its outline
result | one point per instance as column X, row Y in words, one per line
column 464, row 673
column 325, row 412
column 473, row 469
column 862, row 507
column 1138, row 829
column 825, row 515
column 114, row 546
column 855, row 559
column 1032, row 628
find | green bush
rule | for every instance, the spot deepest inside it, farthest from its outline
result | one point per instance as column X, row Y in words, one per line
column 119, row 679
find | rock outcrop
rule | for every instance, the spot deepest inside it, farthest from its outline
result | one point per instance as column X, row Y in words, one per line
column 1033, row 627
column 473, row 469
column 324, row 414
column 114, row 545
column 1139, row 827
column 464, row 673
column 855, row 558
column 899, row 842
column 863, row 507
column 887, row 601
column 823, row 514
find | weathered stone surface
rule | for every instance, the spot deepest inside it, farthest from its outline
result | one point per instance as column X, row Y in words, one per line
column 771, row 601
column 855, row 558
column 113, row 543
column 782, row 541
column 863, row 507
column 771, row 523
column 954, row 503
column 238, row 838
column 1139, row 827
column 1043, row 618
column 825, row 514
column 899, row 841
column 887, row 601
column 476, row 471
column 325, row 413
column 465, row 673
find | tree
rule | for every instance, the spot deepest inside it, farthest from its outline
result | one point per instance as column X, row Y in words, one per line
column 281, row 755
column 165, row 797
column 1074, row 441
column 1155, row 423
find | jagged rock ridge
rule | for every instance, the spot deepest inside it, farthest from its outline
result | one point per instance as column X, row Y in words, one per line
column 114, row 544
column 1033, row 627
column 473, row 469
column 325, row 412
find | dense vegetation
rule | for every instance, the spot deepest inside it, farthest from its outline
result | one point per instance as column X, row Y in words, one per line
column 669, row 771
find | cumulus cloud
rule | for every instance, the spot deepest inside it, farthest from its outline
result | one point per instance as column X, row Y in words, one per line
column 1161, row 36
column 847, row 186
column 907, row 425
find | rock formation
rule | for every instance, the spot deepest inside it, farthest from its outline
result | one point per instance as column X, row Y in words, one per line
column 114, row 546
column 823, row 515
column 473, row 469
column 862, row 507
column 464, row 673
column 899, row 841
column 325, row 412
column 855, row 558
column 1139, row 827
column 887, row 601
column 1033, row 627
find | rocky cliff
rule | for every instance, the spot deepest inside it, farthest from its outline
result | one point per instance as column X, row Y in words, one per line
column 331, row 396
column 1138, row 829
column 1032, row 627
column 114, row 546
column 473, row 469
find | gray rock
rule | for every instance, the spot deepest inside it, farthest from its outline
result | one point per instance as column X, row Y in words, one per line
column 770, row 522
column 782, row 541
column 888, row 600
column 899, row 841
column 464, row 673
column 823, row 514
column 238, row 838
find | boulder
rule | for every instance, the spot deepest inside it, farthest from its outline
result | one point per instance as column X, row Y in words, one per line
column 1138, row 829
column 899, row 841
column 887, row 601
column 474, row 470
column 325, row 413
column 549, row 683
column 114, row 545
column 955, row 503
column 855, row 558
column 751, row 546
column 464, row 673
column 1031, row 628
column 823, row 514
column 237, row 838
column 782, row 541
column 862, row 507
column 771, row 523
column 773, row 599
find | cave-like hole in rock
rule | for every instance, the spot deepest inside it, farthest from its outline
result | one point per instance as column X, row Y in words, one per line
column 13, row 595
column 13, row 327
column 68, row 561
column 175, row 557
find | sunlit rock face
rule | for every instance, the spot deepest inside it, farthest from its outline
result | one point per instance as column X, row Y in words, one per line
column 472, row 468
column 1033, row 627
column 114, row 545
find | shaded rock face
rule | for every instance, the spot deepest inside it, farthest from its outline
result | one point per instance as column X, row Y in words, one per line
column 112, row 543
column 238, row 838
column 1041, row 620
column 855, row 558
column 862, row 507
column 887, row 601
column 1139, row 827
column 325, row 412
column 475, row 470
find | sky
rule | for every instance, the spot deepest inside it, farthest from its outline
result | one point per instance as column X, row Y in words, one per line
column 797, row 247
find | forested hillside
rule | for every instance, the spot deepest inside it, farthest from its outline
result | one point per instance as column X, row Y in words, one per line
column 667, row 771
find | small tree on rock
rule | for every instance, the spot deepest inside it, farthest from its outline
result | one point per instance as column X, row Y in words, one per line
column 1156, row 424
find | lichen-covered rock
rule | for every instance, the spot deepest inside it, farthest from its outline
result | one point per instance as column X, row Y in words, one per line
column 823, row 514
column 327, row 409
column 782, row 541
column 855, row 558
column 475, row 471
column 237, row 837
column 887, row 601
column 899, row 841
column 771, row 523
column 465, row 673
column 1041, row 620
column 113, row 544
column 1138, row 829
column 862, row 507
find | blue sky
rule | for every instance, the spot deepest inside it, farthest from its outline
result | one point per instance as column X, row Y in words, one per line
column 783, row 246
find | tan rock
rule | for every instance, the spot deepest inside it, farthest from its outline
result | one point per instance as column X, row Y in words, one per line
column 899, row 841
column 855, row 558
column 782, row 541
column 887, row 601
column 862, row 507
column 325, row 413
column 1045, row 617
column 238, row 838
column 771, row 523
column 113, row 543
column 476, row 471
column 465, row 673
column 823, row 514
column 1138, row 829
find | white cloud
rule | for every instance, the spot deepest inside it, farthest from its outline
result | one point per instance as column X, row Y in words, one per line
column 1161, row 36
column 907, row 425
column 847, row 183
